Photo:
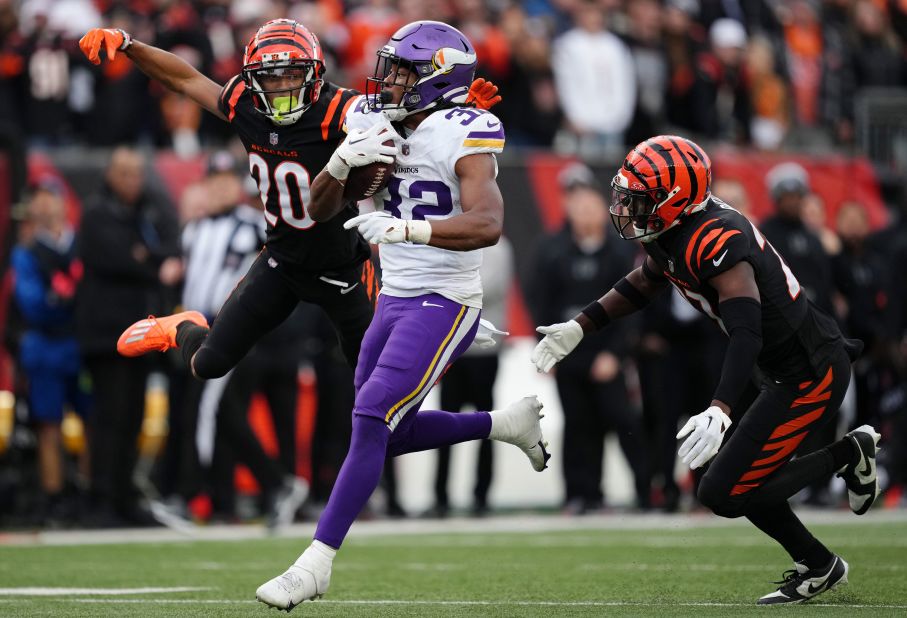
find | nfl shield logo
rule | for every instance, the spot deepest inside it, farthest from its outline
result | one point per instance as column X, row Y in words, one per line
column 405, row 149
column 273, row 139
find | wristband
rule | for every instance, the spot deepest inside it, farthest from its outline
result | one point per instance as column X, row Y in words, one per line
column 418, row 232
column 127, row 40
column 337, row 167
column 596, row 314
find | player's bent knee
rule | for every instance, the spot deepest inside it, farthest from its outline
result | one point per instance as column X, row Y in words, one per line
column 208, row 364
column 368, row 429
column 373, row 398
column 717, row 498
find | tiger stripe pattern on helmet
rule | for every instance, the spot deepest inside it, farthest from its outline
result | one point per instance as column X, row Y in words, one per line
column 673, row 173
column 279, row 34
column 279, row 46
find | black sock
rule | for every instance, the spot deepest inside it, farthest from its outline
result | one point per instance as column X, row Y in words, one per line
column 842, row 452
column 815, row 555
column 779, row 522
column 190, row 337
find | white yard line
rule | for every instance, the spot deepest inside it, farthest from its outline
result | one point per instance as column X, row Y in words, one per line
column 452, row 526
column 35, row 591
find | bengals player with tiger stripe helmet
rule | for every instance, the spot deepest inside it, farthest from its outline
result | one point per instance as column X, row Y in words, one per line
column 742, row 447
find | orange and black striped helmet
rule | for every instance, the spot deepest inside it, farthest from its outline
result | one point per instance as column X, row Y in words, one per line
column 283, row 67
column 661, row 179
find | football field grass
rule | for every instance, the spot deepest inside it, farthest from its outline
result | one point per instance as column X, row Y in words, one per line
column 641, row 566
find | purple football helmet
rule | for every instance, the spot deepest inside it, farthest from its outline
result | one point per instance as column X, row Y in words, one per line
column 440, row 56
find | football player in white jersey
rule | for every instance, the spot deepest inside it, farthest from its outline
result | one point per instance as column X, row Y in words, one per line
column 441, row 206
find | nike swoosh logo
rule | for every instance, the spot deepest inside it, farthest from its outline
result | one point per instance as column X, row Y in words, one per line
column 717, row 261
column 356, row 141
column 812, row 589
column 865, row 469
column 425, row 303
column 349, row 289
column 492, row 125
column 817, row 589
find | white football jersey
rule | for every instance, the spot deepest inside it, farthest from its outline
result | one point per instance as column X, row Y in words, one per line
column 425, row 186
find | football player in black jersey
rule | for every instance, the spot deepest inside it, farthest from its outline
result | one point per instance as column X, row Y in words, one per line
column 291, row 121
column 778, row 342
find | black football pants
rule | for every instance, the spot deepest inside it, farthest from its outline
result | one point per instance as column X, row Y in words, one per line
column 266, row 296
column 755, row 471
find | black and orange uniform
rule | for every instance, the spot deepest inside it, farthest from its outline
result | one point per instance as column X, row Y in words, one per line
column 319, row 263
column 802, row 372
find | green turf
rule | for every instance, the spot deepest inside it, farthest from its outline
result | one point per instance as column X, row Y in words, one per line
column 686, row 572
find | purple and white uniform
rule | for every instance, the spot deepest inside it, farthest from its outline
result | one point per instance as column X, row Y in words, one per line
column 430, row 300
column 429, row 306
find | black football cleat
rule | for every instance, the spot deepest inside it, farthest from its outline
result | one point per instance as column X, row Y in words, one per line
column 801, row 583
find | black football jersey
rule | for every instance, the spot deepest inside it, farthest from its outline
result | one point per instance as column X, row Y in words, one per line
column 709, row 242
column 284, row 160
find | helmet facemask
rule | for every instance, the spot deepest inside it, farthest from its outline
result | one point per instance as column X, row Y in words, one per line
column 298, row 83
column 635, row 213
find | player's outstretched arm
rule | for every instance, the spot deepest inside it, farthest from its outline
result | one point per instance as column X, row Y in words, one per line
column 482, row 220
column 170, row 70
column 628, row 295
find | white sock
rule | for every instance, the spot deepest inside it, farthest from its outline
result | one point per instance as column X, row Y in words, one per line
column 501, row 425
column 320, row 552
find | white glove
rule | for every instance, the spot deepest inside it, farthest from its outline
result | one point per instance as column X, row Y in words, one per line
column 706, row 431
column 361, row 147
column 559, row 341
column 485, row 340
column 381, row 227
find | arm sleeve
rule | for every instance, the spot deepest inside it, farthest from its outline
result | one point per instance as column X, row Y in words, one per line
column 742, row 318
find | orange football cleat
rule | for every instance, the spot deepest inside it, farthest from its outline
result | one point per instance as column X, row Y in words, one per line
column 155, row 334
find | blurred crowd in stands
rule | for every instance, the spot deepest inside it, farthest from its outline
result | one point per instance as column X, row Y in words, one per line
column 585, row 78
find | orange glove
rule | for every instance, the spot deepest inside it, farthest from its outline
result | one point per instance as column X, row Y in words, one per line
column 113, row 40
column 483, row 94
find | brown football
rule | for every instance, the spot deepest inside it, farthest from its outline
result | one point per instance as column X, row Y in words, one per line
column 365, row 181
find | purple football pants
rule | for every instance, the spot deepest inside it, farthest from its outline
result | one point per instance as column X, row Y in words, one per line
column 407, row 347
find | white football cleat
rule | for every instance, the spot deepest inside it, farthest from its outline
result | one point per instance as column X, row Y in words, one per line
column 518, row 424
column 860, row 475
column 307, row 579
column 801, row 584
